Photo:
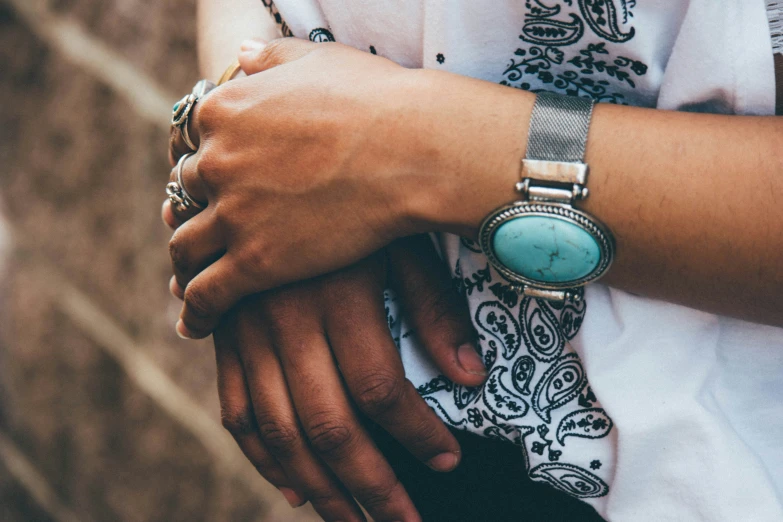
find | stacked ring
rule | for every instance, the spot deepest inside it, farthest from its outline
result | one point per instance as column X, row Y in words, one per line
column 180, row 199
column 182, row 109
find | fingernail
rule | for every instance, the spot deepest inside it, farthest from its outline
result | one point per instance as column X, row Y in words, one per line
column 470, row 360
column 444, row 462
column 182, row 331
column 252, row 45
column 292, row 497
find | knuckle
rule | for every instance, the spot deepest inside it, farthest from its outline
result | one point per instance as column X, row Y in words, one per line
column 379, row 392
column 376, row 496
column 237, row 422
column 330, row 435
column 281, row 438
column 198, row 301
column 274, row 52
column 209, row 164
column 255, row 263
column 178, row 254
column 208, row 109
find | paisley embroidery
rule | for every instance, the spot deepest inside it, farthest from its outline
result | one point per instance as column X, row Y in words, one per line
column 470, row 245
column 476, row 282
column 500, row 400
column 540, row 28
column 541, row 332
column 592, row 423
column 571, row 316
column 601, row 16
column 570, row 479
column 493, row 318
column 443, row 413
column 464, row 396
column 551, row 32
column 523, row 372
column 560, row 384
column 553, row 455
column 437, row 384
column 513, row 434
column 505, row 293
column 320, row 35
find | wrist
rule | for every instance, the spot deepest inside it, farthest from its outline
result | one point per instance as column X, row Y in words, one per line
column 470, row 137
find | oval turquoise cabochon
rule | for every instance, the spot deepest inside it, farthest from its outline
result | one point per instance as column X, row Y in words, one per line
column 546, row 249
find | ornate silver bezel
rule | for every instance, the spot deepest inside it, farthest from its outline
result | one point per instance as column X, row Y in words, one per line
column 180, row 116
column 560, row 211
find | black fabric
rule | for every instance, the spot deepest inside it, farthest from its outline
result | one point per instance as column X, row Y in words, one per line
column 490, row 485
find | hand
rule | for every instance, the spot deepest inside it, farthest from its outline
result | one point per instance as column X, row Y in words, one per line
column 318, row 158
column 292, row 410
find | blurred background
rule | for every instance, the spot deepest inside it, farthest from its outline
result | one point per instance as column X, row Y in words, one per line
column 105, row 415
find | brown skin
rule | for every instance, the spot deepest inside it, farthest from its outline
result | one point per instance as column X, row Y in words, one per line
column 691, row 198
column 304, row 437
column 294, row 413
column 340, row 318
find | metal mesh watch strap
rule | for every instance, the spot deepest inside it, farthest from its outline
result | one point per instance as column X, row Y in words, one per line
column 558, row 128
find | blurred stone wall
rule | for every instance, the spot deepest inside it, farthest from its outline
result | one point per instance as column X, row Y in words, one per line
column 105, row 414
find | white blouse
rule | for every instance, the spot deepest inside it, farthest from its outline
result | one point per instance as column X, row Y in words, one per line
column 644, row 409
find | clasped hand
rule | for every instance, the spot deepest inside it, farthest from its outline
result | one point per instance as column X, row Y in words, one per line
column 284, row 398
column 296, row 165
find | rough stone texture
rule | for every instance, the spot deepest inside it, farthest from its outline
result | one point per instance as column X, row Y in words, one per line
column 81, row 184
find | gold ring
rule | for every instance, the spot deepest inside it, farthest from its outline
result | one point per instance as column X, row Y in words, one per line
column 231, row 73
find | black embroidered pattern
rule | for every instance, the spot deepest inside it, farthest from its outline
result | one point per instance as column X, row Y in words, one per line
column 592, row 423
column 319, row 35
column 570, row 479
column 560, row 384
column 537, row 394
column 272, row 8
column 589, row 73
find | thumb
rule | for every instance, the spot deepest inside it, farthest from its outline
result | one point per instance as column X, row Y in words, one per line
column 257, row 55
column 437, row 312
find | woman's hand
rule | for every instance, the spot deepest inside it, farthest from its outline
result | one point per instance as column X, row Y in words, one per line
column 321, row 156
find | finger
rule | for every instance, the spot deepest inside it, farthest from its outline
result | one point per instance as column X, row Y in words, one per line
column 168, row 216
column 279, row 428
column 332, row 428
column 177, row 145
column 208, row 296
column 436, row 311
column 236, row 412
column 372, row 369
column 190, row 181
column 194, row 246
column 258, row 56
column 175, row 289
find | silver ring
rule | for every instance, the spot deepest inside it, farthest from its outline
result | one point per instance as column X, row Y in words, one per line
column 182, row 109
column 176, row 192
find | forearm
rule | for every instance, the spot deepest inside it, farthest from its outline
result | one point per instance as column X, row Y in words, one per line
column 223, row 26
column 691, row 198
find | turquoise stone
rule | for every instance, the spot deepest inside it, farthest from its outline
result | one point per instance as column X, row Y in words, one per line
column 546, row 249
column 176, row 106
